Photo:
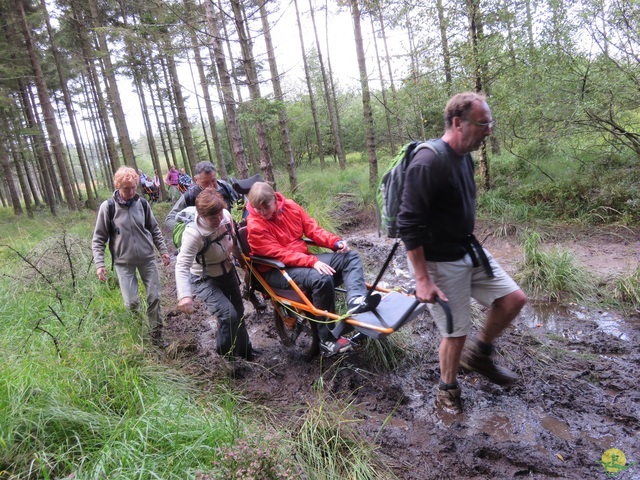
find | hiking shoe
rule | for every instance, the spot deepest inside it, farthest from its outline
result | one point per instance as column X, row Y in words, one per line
column 449, row 400
column 474, row 361
column 332, row 347
column 364, row 304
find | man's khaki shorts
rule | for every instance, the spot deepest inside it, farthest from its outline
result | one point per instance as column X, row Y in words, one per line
column 460, row 281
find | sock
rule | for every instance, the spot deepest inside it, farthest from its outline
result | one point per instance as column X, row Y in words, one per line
column 448, row 386
column 485, row 348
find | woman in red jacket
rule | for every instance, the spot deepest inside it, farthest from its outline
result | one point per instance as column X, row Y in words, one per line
column 276, row 227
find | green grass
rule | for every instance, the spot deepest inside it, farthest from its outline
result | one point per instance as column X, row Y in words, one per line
column 328, row 448
column 83, row 394
column 388, row 353
column 553, row 275
column 626, row 291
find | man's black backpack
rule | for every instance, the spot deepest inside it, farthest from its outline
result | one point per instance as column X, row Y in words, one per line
column 389, row 194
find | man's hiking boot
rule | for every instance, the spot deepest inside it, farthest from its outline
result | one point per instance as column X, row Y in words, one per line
column 364, row 303
column 449, row 400
column 475, row 361
column 333, row 347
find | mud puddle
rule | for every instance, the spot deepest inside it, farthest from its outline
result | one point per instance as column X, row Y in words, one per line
column 577, row 397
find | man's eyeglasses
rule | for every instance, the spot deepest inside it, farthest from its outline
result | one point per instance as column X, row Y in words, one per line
column 490, row 124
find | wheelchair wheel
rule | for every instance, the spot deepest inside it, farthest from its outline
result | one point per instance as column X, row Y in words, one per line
column 297, row 333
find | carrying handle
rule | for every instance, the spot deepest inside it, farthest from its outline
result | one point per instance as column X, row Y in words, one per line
column 447, row 311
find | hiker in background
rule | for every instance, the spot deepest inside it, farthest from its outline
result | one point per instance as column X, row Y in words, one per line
column 205, row 176
column 276, row 227
column 156, row 179
column 204, row 268
column 143, row 178
column 184, row 180
column 436, row 223
column 172, row 181
column 127, row 223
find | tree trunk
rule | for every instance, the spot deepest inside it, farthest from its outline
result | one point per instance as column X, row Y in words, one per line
column 47, row 108
column 39, row 147
column 185, row 126
column 392, row 86
column 366, row 97
column 337, row 136
column 237, row 146
column 414, row 76
column 204, row 84
column 174, row 113
column 312, row 101
column 18, row 156
column 474, row 26
column 92, row 83
column 446, row 54
column 248, row 138
column 8, row 176
column 254, row 91
column 385, row 104
column 91, row 203
column 113, row 94
column 277, row 93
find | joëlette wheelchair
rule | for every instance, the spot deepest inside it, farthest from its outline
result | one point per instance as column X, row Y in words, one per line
column 296, row 318
column 151, row 191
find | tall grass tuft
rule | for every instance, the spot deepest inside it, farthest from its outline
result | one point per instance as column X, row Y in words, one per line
column 388, row 353
column 626, row 290
column 553, row 275
column 328, row 447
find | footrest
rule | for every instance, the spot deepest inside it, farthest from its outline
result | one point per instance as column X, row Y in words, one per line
column 395, row 310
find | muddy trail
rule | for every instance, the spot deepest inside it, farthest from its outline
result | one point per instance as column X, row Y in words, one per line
column 577, row 396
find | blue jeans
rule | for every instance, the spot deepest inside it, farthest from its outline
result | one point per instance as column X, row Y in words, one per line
column 348, row 267
column 223, row 299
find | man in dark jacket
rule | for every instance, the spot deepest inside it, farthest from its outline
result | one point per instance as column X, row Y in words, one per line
column 205, row 176
column 436, row 222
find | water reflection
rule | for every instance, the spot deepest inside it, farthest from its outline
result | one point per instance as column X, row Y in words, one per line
column 551, row 316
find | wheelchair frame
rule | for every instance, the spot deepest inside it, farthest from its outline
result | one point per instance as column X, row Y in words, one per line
column 295, row 316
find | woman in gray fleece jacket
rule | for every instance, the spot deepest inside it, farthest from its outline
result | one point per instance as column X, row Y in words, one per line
column 133, row 234
column 204, row 268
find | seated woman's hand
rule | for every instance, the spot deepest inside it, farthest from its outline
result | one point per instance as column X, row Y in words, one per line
column 185, row 305
column 323, row 268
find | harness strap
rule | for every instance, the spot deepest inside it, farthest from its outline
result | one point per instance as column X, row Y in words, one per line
column 475, row 250
column 207, row 244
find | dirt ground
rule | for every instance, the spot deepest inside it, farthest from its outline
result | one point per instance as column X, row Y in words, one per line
column 576, row 399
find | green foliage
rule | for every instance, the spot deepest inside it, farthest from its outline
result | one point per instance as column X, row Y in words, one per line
column 627, row 291
column 553, row 275
column 336, row 198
